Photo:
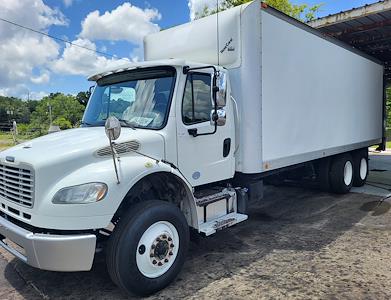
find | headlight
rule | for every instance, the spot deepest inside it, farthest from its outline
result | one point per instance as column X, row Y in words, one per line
column 81, row 194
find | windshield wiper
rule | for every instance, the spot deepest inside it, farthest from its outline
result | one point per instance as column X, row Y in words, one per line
column 86, row 123
column 127, row 123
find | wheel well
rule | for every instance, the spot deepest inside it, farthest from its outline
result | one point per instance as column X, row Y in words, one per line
column 159, row 186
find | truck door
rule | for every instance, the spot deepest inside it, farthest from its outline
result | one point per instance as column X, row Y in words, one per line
column 205, row 158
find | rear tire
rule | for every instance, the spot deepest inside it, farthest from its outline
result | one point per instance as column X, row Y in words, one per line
column 323, row 173
column 360, row 163
column 147, row 248
column 341, row 173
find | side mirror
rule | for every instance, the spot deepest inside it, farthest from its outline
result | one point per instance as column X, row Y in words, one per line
column 221, row 94
column 113, row 131
column 112, row 128
column 220, row 118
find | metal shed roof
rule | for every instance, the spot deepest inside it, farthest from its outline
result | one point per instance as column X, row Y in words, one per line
column 367, row 28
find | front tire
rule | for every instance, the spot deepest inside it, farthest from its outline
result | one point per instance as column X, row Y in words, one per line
column 147, row 249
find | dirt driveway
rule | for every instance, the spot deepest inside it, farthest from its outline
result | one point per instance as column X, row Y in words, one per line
column 298, row 243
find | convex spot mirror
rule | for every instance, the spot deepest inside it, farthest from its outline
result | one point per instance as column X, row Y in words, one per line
column 220, row 118
column 112, row 128
column 221, row 84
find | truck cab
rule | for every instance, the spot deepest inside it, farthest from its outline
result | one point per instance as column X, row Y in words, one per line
column 66, row 194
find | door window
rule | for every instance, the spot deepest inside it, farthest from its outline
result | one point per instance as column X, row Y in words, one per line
column 197, row 102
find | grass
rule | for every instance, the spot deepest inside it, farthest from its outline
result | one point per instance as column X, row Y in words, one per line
column 7, row 141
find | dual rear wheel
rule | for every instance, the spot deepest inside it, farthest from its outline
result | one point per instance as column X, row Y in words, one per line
column 339, row 173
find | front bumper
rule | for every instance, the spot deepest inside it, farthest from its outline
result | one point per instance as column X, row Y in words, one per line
column 51, row 252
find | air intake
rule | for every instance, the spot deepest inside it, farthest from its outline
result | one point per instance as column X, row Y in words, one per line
column 121, row 148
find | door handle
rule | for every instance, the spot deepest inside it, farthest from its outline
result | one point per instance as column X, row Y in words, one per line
column 193, row 132
column 226, row 147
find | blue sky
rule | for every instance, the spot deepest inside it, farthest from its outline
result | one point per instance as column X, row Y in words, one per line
column 36, row 65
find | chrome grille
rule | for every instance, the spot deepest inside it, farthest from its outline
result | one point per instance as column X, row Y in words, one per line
column 121, row 148
column 17, row 185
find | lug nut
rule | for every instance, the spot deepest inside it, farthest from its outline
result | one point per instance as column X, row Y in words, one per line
column 172, row 245
column 151, row 255
column 166, row 260
column 160, row 264
column 154, row 262
column 169, row 239
column 164, row 236
column 170, row 253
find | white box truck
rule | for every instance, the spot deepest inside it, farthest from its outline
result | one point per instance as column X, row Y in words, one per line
column 220, row 104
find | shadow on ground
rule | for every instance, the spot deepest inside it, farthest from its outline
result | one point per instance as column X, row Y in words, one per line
column 289, row 219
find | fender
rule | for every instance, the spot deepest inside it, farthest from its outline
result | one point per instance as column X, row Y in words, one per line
column 132, row 168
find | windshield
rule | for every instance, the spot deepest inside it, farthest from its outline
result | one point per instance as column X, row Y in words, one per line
column 138, row 98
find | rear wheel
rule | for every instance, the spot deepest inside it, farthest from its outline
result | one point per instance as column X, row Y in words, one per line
column 147, row 248
column 360, row 163
column 341, row 173
column 323, row 173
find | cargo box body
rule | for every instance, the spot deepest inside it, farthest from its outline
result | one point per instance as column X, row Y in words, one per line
column 301, row 96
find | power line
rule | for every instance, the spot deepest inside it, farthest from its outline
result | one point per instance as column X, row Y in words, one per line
column 61, row 40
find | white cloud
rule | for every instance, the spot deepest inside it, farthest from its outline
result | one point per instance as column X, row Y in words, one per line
column 78, row 61
column 22, row 52
column 21, row 91
column 30, row 58
column 44, row 77
column 38, row 95
column 68, row 3
column 197, row 6
column 127, row 22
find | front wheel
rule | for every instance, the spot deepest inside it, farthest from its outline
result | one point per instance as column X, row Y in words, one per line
column 147, row 248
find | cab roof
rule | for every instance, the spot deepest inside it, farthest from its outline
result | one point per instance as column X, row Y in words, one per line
column 144, row 64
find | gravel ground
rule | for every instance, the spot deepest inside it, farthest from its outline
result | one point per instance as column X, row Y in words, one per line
column 297, row 244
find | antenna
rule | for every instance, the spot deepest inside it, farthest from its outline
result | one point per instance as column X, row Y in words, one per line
column 217, row 18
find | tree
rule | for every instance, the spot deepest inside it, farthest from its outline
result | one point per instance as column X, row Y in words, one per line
column 302, row 12
column 66, row 111
column 83, row 97
column 13, row 109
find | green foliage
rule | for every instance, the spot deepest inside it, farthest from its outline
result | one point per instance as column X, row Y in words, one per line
column 66, row 112
column 14, row 109
column 63, row 123
column 33, row 118
column 83, row 97
column 302, row 12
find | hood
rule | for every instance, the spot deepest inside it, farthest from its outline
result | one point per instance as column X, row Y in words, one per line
column 79, row 146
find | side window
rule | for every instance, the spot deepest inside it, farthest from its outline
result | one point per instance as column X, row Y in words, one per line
column 197, row 102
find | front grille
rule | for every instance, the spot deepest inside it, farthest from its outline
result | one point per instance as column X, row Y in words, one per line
column 17, row 185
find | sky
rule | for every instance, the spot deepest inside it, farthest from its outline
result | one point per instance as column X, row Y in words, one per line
column 33, row 65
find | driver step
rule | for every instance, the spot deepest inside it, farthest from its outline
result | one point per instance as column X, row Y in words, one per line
column 220, row 223
column 205, row 200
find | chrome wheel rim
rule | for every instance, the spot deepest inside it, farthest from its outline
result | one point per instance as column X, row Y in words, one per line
column 157, row 249
column 348, row 173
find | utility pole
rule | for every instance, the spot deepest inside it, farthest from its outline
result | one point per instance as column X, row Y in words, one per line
column 50, row 113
